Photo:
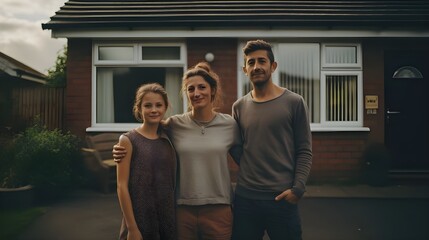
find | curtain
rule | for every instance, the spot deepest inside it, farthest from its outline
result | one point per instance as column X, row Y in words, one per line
column 341, row 98
column 299, row 66
column 105, row 98
column 173, row 88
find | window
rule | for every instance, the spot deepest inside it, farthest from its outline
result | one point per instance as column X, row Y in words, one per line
column 341, row 89
column 299, row 68
column 118, row 53
column 160, row 53
column 341, row 56
column 120, row 69
column 407, row 72
column 341, row 98
column 327, row 76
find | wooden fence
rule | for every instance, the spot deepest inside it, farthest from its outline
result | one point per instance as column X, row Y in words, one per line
column 45, row 103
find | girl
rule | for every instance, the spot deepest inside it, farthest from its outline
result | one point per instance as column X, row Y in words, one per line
column 147, row 173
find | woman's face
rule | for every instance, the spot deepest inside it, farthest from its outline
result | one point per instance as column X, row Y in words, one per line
column 199, row 92
column 153, row 108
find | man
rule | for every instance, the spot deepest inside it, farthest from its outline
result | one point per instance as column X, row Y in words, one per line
column 277, row 154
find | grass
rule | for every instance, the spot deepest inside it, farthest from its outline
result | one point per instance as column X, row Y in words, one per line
column 13, row 222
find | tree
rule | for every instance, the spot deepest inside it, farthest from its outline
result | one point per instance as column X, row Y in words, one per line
column 57, row 74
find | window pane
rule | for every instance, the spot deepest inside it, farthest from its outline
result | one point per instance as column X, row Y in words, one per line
column 160, row 53
column 116, row 53
column 116, row 89
column 246, row 85
column 341, row 54
column 407, row 72
column 341, row 98
column 299, row 67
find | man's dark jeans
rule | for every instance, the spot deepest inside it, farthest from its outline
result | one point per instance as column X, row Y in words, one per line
column 252, row 218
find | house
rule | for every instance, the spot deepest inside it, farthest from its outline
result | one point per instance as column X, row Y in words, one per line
column 362, row 67
column 16, row 77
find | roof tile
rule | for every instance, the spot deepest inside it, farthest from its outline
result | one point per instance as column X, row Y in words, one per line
column 132, row 13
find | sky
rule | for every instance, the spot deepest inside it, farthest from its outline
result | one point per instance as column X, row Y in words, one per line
column 22, row 36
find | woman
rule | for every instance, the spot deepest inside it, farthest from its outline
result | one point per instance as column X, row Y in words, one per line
column 202, row 138
column 146, row 176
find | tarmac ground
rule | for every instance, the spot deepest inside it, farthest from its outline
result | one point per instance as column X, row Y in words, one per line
column 90, row 215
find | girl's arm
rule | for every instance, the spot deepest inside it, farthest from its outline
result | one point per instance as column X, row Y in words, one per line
column 123, row 174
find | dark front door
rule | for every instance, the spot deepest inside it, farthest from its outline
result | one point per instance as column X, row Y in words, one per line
column 406, row 111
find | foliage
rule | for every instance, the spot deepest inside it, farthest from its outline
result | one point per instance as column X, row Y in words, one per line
column 57, row 73
column 40, row 157
column 6, row 140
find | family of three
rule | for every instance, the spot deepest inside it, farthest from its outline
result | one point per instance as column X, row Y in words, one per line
column 173, row 175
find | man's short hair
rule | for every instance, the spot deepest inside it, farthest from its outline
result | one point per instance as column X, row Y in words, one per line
column 255, row 45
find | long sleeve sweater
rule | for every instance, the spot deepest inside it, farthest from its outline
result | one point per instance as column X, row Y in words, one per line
column 277, row 152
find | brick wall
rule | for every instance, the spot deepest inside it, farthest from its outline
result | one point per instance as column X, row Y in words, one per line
column 224, row 64
column 337, row 156
column 78, row 91
column 373, row 84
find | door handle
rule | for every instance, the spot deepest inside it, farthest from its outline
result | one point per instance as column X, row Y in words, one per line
column 392, row 112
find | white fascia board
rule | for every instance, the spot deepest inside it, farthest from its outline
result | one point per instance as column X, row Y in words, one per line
column 9, row 69
column 320, row 33
column 30, row 78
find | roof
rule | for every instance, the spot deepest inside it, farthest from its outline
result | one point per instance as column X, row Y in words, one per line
column 15, row 68
column 94, row 14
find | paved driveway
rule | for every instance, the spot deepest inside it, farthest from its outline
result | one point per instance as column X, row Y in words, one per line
column 86, row 215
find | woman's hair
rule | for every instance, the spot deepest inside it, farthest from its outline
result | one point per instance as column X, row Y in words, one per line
column 255, row 45
column 142, row 91
column 203, row 70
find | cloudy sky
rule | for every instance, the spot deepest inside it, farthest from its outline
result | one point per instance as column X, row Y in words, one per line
column 21, row 34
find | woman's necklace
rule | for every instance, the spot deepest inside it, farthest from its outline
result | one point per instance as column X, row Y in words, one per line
column 203, row 124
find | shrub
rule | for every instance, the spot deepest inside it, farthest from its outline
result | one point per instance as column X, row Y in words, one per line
column 43, row 158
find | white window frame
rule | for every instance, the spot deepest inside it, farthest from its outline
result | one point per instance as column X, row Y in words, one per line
column 326, row 66
column 137, row 62
column 323, row 109
column 116, row 62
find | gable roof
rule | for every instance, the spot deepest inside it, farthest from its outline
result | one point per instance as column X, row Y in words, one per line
column 101, row 14
column 16, row 69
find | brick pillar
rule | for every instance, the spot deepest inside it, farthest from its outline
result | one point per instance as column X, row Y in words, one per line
column 78, row 90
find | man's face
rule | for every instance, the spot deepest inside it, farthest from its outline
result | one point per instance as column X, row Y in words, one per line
column 258, row 67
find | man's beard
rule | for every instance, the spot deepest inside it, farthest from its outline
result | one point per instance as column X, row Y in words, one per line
column 261, row 83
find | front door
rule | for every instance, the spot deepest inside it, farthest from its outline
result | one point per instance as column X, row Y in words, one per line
column 407, row 111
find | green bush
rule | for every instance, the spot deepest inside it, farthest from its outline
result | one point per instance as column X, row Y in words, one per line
column 6, row 160
column 43, row 158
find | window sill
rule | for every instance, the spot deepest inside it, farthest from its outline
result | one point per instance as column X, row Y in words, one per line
column 313, row 129
column 340, row 129
column 123, row 128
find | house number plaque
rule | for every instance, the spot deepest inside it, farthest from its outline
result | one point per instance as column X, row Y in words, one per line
column 371, row 104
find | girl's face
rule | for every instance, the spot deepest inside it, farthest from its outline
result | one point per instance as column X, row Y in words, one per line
column 153, row 108
column 199, row 92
